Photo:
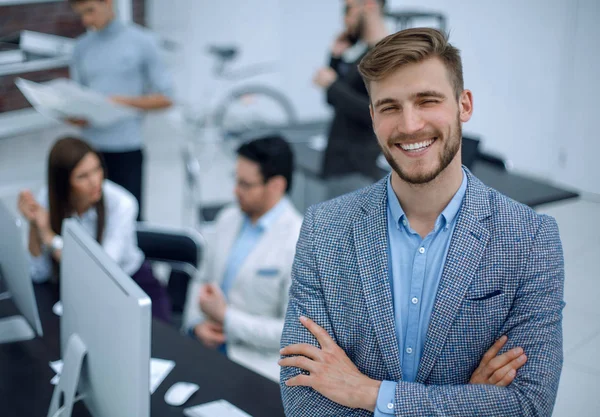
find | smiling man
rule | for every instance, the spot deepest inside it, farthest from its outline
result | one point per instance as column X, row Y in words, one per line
column 404, row 293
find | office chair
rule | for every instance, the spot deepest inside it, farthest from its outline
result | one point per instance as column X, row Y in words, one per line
column 470, row 150
column 181, row 249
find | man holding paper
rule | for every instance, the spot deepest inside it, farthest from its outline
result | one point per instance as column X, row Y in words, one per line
column 122, row 62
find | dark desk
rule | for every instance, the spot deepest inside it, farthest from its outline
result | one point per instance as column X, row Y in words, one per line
column 25, row 388
column 523, row 189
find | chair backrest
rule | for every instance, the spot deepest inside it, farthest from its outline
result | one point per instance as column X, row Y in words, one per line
column 470, row 150
column 170, row 245
column 182, row 250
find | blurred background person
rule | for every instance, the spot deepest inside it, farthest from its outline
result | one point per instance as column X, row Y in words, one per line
column 240, row 297
column 76, row 188
column 352, row 147
column 121, row 61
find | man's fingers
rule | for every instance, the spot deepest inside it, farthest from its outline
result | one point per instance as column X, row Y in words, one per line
column 318, row 332
column 501, row 360
column 298, row 362
column 493, row 351
column 508, row 379
column 303, row 349
column 503, row 373
column 299, row 381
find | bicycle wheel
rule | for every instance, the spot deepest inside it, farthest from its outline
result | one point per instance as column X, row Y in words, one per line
column 251, row 111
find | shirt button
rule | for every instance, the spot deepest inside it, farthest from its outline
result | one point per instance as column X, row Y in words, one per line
column 404, row 222
column 421, row 250
column 390, row 406
column 409, row 350
column 415, row 300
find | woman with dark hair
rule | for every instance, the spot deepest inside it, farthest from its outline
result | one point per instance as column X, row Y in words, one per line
column 77, row 188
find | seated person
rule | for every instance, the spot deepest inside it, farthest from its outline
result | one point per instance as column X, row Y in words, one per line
column 77, row 188
column 240, row 296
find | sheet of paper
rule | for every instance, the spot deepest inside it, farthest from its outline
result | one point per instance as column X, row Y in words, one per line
column 63, row 98
column 219, row 408
column 57, row 366
column 159, row 369
column 57, row 308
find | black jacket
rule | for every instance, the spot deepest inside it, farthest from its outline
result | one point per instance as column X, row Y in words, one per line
column 352, row 146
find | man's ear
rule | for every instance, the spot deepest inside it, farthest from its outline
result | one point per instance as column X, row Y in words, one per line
column 465, row 105
column 279, row 183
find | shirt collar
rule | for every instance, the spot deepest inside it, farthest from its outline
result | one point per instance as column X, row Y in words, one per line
column 448, row 214
column 267, row 219
column 90, row 215
column 112, row 27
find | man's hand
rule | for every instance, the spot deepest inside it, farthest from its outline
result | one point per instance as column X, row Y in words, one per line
column 125, row 101
column 77, row 122
column 212, row 302
column 27, row 205
column 324, row 77
column 340, row 44
column 210, row 334
column 499, row 370
column 332, row 373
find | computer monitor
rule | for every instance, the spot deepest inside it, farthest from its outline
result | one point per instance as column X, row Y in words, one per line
column 104, row 333
column 14, row 276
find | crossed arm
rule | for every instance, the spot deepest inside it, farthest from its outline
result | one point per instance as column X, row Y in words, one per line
column 334, row 386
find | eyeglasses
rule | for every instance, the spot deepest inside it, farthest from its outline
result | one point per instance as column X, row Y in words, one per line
column 245, row 185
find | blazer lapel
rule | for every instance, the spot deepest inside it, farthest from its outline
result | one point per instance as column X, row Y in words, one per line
column 371, row 244
column 226, row 241
column 467, row 246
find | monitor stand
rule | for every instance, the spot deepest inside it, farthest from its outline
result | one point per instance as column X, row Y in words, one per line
column 15, row 328
column 63, row 397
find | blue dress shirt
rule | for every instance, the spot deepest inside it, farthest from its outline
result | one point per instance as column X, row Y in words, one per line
column 120, row 59
column 415, row 266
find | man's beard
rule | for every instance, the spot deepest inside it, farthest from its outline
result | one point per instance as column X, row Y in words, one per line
column 355, row 35
column 449, row 151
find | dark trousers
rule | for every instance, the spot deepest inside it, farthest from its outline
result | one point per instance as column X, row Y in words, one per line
column 161, row 305
column 126, row 169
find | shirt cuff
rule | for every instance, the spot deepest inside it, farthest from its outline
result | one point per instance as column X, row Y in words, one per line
column 190, row 331
column 385, row 399
column 227, row 324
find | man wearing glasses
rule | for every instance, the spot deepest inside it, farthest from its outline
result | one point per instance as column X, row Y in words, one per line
column 238, row 302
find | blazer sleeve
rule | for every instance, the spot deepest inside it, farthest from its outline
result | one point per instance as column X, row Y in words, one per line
column 306, row 299
column 192, row 315
column 253, row 330
column 535, row 323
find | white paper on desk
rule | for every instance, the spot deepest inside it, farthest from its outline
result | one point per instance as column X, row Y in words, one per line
column 63, row 98
column 219, row 408
column 159, row 369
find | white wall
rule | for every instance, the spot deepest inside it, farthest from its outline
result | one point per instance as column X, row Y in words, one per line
column 577, row 135
column 516, row 55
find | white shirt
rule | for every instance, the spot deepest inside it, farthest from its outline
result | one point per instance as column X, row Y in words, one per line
column 119, row 239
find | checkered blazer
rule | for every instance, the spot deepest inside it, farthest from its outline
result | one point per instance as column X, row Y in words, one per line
column 504, row 274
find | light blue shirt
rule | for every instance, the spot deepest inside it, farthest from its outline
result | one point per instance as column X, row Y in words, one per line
column 415, row 266
column 121, row 59
column 247, row 239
